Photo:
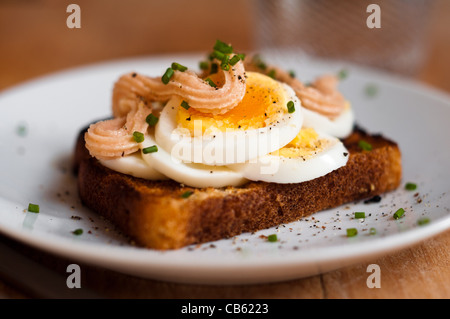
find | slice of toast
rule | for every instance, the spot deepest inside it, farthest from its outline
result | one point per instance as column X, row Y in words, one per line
column 154, row 214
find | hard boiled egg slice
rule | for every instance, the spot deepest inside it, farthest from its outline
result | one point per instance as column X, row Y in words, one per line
column 308, row 156
column 340, row 127
column 133, row 165
column 195, row 175
column 258, row 125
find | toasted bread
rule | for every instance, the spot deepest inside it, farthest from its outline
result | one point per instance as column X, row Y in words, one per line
column 155, row 215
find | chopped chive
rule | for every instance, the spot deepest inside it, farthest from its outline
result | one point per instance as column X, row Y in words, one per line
column 167, row 76
column 365, row 146
column 77, row 232
column 292, row 74
column 371, row 90
column 151, row 120
column 211, row 82
column 185, row 105
column 203, row 65
column 225, row 63
column 272, row 73
column 272, row 238
column 352, row 232
column 187, row 194
column 219, row 55
column 399, row 213
column 262, row 65
column 259, row 62
column 235, row 59
column 241, row 56
column 410, row 186
column 359, row 215
column 223, row 47
column 423, row 221
column 21, row 130
column 150, row 149
column 33, row 208
column 342, row 74
column 372, row 231
column 225, row 66
column 138, row 137
column 179, row 67
column 291, row 107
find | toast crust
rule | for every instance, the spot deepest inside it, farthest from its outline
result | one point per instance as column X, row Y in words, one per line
column 154, row 215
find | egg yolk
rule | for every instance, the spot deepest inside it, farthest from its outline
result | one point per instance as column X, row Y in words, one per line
column 305, row 145
column 263, row 104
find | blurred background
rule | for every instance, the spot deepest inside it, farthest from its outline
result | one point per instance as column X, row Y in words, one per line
column 413, row 39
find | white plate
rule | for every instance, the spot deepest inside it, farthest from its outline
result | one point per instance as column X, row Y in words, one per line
column 39, row 123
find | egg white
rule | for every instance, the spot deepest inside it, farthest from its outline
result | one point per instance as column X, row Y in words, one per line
column 283, row 170
column 190, row 174
column 133, row 165
column 232, row 146
column 340, row 127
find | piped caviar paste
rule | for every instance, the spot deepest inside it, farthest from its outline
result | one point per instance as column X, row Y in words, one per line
column 236, row 119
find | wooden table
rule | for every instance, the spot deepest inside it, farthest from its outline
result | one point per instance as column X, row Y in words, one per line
column 34, row 40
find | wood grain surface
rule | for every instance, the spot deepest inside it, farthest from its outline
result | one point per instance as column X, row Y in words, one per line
column 34, row 41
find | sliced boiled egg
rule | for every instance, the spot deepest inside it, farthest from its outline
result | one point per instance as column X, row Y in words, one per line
column 309, row 155
column 133, row 165
column 339, row 127
column 261, row 123
column 190, row 174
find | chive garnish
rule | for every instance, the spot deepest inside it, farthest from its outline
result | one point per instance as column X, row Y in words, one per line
column 342, row 74
column 292, row 74
column 77, row 232
column 167, row 75
column 272, row 73
column 33, row 208
column 410, row 186
column 272, row 238
column 179, row 67
column 187, row 194
column 219, row 55
column 359, row 215
column 223, row 47
column 352, row 232
column 150, row 149
column 185, row 105
column 365, row 146
column 203, row 65
column 138, row 137
column 371, row 90
column 259, row 62
column 399, row 213
column 225, row 63
column 241, row 56
column 235, row 59
column 291, row 107
column 151, row 120
column 423, row 221
column 21, row 130
column 211, row 82
column 372, row 231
